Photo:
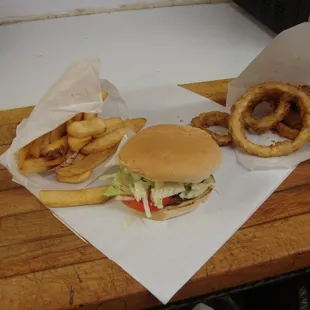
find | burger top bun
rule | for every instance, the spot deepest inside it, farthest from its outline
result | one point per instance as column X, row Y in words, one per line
column 172, row 153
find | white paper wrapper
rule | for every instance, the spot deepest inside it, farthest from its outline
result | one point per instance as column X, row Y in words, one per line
column 285, row 59
column 163, row 256
column 77, row 90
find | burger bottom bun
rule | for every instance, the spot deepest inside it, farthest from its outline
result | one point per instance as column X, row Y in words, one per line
column 177, row 210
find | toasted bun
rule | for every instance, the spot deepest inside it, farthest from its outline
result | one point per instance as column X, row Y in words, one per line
column 172, row 153
column 174, row 211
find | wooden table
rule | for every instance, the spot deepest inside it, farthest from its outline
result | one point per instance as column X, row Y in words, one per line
column 43, row 265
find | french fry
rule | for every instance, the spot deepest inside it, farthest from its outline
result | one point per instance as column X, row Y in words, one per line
column 104, row 95
column 69, row 153
column 37, row 165
column 89, row 162
column 88, row 116
column 38, row 144
column 73, row 198
column 135, row 124
column 68, row 123
column 112, row 124
column 76, row 144
column 105, row 142
column 80, row 178
column 57, row 161
column 79, row 157
column 57, row 148
column 87, row 128
column 58, row 132
column 46, row 139
column 22, row 155
column 78, row 117
column 62, row 159
column 34, row 148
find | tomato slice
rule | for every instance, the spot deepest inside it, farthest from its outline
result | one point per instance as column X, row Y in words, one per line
column 138, row 205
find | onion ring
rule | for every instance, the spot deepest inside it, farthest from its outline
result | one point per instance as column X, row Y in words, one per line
column 293, row 119
column 290, row 125
column 254, row 94
column 286, row 131
column 269, row 121
column 305, row 88
column 215, row 118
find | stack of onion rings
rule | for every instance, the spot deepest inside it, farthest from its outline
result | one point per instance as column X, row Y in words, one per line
column 269, row 121
column 256, row 94
column 284, row 120
column 215, row 118
column 289, row 118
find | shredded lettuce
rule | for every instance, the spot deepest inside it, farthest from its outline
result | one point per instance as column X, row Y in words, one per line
column 166, row 190
column 126, row 183
column 158, row 185
column 139, row 191
column 146, row 207
column 197, row 189
column 120, row 185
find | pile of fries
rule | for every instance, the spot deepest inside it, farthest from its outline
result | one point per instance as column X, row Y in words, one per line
column 76, row 147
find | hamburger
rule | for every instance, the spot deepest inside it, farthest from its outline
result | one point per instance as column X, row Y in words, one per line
column 166, row 171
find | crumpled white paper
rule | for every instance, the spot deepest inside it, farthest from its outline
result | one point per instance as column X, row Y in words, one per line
column 77, row 90
column 285, row 59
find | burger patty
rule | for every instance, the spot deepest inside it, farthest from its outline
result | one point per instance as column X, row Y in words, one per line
column 178, row 200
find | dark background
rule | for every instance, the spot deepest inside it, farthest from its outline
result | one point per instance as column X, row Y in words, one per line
column 287, row 292
column 277, row 15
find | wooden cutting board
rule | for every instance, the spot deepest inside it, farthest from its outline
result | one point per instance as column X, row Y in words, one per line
column 43, row 265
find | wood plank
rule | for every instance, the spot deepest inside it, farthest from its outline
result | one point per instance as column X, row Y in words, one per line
column 32, row 226
column 7, row 133
column 14, row 116
column 251, row 254
column 3, row 148
column 38, row 255
column 6, row 181
column 10, row 202
column 214, row 90
column 299, row 177
column 281, row 205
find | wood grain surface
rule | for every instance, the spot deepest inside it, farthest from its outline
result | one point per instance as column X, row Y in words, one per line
column 43, row 265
